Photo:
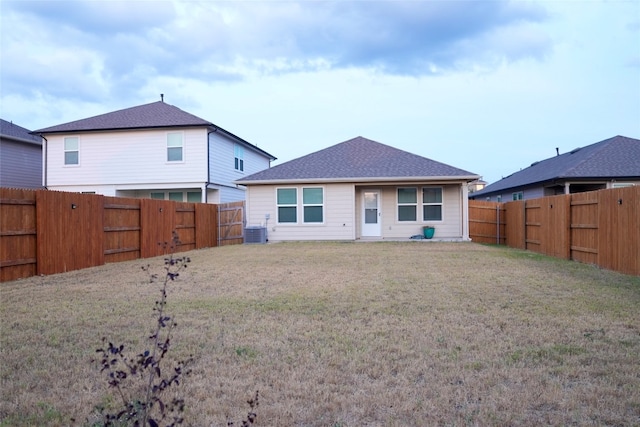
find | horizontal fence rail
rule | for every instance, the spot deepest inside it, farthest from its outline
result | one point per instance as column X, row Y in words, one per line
column 598, row 227
column 47, row 232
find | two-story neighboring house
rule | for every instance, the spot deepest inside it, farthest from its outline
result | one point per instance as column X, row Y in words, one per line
column 154, row 150
column 20, row 157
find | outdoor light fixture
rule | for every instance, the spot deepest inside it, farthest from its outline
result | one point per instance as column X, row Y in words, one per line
column 73, row 206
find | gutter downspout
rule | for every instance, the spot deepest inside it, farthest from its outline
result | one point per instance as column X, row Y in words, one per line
column 208, row 180
column 44, row 161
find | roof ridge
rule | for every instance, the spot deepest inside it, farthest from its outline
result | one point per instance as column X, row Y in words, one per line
column 151, row 115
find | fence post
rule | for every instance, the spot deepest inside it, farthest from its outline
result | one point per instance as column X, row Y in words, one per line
column 498, row 224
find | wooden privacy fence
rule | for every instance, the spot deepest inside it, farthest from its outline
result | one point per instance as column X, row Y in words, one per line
column 487, row 222
column 597, row 227
column 47, row 232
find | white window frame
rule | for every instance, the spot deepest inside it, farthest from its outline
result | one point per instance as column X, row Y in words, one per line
column 518, row 195
column 76, row 150
column 311, row 205
column 238, row 154
column 399, row 204
column 441, row 204
column 287, row 205
column 181, row 146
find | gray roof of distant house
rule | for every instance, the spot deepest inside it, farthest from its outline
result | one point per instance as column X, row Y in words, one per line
column 13, row 131
column 154, row 115
column 617, row 157
column 358, row 159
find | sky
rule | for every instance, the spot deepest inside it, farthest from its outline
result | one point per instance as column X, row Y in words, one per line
column 488, row 86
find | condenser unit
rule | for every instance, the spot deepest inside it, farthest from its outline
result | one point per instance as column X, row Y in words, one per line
column 255, row 235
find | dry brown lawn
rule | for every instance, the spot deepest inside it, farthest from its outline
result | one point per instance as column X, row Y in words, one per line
column 341, row 334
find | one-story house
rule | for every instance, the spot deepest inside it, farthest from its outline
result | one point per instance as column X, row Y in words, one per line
column 612, row 163
column 359, row 189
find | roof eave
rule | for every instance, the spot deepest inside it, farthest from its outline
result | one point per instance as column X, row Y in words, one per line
column 244, row 142
column 47, row 132
column 25, row 140
column 460, row 179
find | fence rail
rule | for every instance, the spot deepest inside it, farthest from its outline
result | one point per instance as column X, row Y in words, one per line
column 597, row 227
column 47, row 232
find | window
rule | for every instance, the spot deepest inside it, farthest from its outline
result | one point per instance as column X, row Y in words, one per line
column 71, row 151
column 194, row 197
column 517, row 196
column 287, row 205
column 159, row 196
column 312, row 204
column 176, row 196
column 239, row 158
column 174, row 147
column 432, row 204
column 407, row 204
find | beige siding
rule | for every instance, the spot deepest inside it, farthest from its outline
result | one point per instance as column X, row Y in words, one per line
column 343, row 214
column 449, row 228
column 339, row 222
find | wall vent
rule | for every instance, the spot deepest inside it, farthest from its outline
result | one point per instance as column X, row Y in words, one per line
column 255, row 235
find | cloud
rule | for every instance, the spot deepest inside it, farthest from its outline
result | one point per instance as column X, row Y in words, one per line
column 98, row 17
column 89, row 49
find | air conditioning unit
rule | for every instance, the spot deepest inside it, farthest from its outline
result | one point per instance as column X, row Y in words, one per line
column 255, row 235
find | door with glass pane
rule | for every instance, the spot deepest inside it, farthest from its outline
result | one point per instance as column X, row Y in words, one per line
column 371, row 214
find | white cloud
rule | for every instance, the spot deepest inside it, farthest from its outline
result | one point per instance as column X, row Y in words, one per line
column 122, row 43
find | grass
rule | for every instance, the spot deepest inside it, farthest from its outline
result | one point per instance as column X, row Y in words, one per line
column 341, row 334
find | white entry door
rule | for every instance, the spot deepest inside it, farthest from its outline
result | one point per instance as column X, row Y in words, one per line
column 371, row 215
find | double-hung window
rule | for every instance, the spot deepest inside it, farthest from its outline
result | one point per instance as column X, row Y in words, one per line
column 313, row 205
column 432, row 204
column 407, row 204
column 517, row 196
column 287, row 205
column 71, row 151
column 174, row 147
column 239, row 158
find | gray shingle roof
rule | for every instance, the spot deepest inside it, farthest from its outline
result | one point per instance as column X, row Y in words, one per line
column 13, row 131
column 154, row 115
column 355, row 160
column 617, row 157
